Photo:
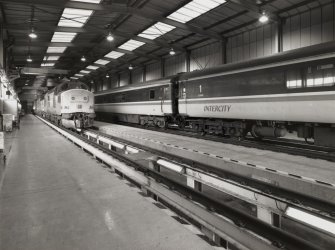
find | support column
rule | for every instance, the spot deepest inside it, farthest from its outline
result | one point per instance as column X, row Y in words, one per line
column 280, row 35
column 118, row 79
column 224, row 51
column 130, row 77
column 162, row 67
column 188, row 61
column 144, row 75
column 2, row 52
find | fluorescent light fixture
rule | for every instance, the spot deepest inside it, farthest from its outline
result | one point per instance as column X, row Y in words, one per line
column 74, row 17
column 170, row 165
column 85, row 71
column 79, row 75
column 92, row 67
column 131, row 45
column 88, row 1
column 263, row 18
column 311, row 219
column 63, row 37
column 114, row 54
column 194, row 9
column 102, row 62
column 74, row 78
column 56, row 49
column 47, row 64
column 156, row 30
column 50, row 58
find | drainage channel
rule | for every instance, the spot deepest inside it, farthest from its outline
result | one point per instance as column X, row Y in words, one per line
column 239, row 228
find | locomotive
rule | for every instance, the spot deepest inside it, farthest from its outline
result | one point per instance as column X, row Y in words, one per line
column 292, row 91
column 70, row 104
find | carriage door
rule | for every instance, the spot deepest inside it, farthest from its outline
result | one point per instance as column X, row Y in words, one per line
column 182, row 99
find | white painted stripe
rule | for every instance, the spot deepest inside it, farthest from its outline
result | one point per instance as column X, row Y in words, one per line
column 321, row 93
column 136, row 87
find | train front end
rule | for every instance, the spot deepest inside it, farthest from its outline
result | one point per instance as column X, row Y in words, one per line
column 77, row 109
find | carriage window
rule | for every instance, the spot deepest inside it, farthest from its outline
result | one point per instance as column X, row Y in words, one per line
column 200, row 89
column 322, row 75
column 123, row 97
column 293, row 79
column 152, row 94
column 59, row 99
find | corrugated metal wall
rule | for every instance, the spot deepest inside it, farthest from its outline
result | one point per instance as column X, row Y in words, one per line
column 106, row 83
column 137, row 75
column 309, row 28
column 124, row 78
column 114, row 81
column 153, row 71
column 206, row 56
column 175, row 64
column 252, row 44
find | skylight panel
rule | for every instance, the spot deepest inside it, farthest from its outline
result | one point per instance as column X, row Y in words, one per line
column 114, row 54
column 85, row 71
column 56, row 49
column 131, row 45
column 88, row 1
column 102, row 62
column 79, row 75
column 156, row 30
column 92, row 67
column 63, row 37
column 50, row 58
column 47, row 64
column 194, row 9
column 74, row 17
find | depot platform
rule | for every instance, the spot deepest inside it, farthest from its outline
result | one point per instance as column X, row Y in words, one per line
column 55, row 196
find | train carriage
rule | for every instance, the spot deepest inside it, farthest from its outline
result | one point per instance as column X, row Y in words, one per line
column 144, row 103
column 267, row 97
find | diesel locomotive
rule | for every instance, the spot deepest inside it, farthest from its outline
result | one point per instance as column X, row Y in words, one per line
column 291, row 91
column 70, row 104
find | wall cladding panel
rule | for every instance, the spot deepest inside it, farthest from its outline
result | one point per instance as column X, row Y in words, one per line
column 175, row 64
column 114, row 81
column 206, row 57
column 124, row 78
column 106, row 83
column 312, row 27
column 137, row 75
column 153, row 71
column 258, row 42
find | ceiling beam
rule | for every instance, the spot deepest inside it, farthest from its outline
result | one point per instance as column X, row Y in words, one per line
column 146, row 12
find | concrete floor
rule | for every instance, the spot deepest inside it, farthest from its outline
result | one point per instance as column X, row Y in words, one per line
column 312, row 168
column 54, row 196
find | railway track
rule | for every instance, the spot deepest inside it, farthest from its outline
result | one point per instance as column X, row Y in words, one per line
column 272, row 237
column 287, row 146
